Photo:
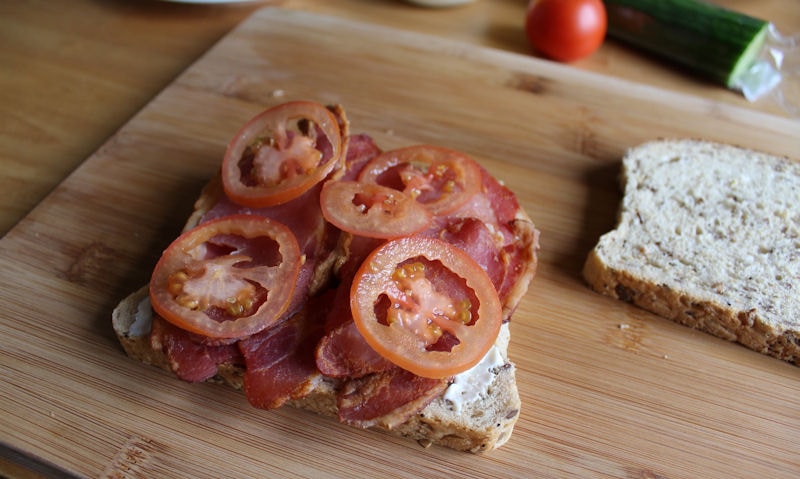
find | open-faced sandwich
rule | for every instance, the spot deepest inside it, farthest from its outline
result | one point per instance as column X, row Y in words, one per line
column 319, row 271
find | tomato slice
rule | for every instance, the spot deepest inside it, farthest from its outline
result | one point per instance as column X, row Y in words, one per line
column 281, row 153
column 426, row 306
column 228, row 278
column 439, row 178
column 372, row 210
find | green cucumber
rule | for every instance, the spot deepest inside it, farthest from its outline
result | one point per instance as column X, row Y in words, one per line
column 712, row 41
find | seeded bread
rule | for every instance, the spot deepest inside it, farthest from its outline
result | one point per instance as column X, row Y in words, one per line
column 708, row 236
column 478, row 425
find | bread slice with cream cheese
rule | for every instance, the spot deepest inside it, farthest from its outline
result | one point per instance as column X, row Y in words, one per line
column 476, row 413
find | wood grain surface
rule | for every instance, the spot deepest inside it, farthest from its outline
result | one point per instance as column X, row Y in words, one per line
column 608, row 390
column 80, row 69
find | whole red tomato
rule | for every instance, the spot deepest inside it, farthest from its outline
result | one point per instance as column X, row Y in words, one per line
column 566, row 30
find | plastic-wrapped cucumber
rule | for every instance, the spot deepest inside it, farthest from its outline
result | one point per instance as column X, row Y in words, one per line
column 715, row 42
column 743, row 53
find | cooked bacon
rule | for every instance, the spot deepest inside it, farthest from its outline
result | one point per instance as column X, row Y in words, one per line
column 504, row 202
column 343, row 352
column 360, row 149
column 318, row 335
column 387, row 398
column 378, row 393
column 474, row 237
column 317, row 238
column 279, row 362
column 488, row 229
column 356, row 249
column 517, row 251
column 302, row 215
column 190, row 358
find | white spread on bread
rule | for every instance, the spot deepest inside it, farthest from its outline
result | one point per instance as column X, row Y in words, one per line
column 143, row 320
column 469, row 385
column 475, row 412
column 466, row 387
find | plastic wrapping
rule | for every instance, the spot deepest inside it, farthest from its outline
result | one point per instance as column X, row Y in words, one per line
column 775, row 73
column 741, row 52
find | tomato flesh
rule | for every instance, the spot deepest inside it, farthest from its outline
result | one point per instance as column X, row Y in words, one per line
column 439, row 178
column 425, row 306
column 566, row 30
column 372, row 210
column 281, row 153
column 228, row 278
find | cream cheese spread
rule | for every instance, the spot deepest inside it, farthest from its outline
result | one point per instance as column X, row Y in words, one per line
column 143, row 320
column 472, row 383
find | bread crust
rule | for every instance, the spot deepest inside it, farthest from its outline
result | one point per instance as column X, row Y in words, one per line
column 481, row 425
column 709, row 309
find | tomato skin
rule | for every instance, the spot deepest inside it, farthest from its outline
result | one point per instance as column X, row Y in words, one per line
column 372, row 210
column 439, row 178
column 210, row 281
column 566, row 30
column 410, row 291
column 270, row 162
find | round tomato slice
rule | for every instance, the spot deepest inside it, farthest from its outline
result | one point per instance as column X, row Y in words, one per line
column 425, row 306
column 281, row 153
column 228, row 278
column 372, row 210
column 439, row 178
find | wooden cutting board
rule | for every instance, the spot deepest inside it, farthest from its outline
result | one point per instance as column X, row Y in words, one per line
column 608, row 390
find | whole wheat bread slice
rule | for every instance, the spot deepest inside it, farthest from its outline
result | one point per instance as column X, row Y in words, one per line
column 708, row 236
column 481, row 421
column 481, row 424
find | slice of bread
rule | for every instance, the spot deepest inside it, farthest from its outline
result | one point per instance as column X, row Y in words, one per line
column 480, row 420
column 478, row 409
column 708, row 236
column 477, row 413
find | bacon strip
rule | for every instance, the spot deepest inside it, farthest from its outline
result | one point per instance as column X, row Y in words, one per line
column 378, row 392
column 343, row 353
column 279, row 362
column 474, row 237
column 360, row 149
column 387, row 398
column 190, row 359
column 315, row 236
column 318, row 335
column 503, row 201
